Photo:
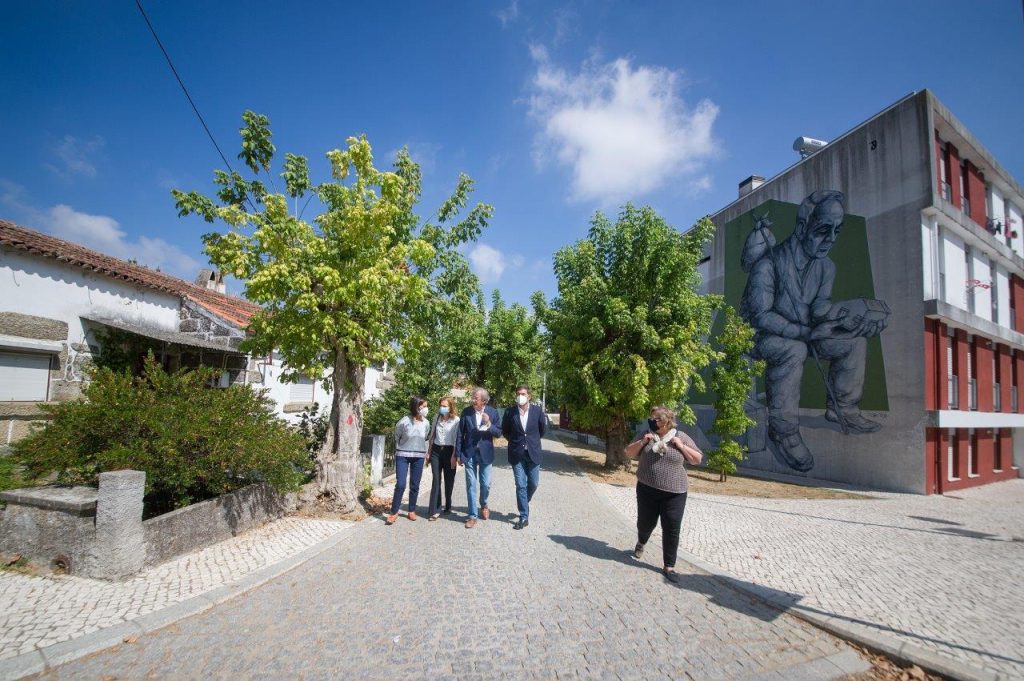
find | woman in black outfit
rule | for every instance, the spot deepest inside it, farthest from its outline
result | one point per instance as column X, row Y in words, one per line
column 661, row 483
column 441, row 455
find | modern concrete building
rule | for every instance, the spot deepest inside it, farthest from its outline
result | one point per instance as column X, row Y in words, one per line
column 884, row 276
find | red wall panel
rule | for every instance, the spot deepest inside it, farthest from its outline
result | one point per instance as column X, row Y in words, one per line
column 975, row 184
column 954, row 175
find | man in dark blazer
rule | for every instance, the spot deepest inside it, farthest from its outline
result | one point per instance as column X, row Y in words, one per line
column 523, row 426
column 474, row 445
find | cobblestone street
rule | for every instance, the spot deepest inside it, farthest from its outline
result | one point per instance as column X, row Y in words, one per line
column 36, row 612
column 428, row 600
column 942, row 572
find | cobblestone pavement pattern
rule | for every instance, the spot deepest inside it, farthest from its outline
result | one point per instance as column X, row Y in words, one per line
column 943, row 572
column 36, row 612
column 421, row 600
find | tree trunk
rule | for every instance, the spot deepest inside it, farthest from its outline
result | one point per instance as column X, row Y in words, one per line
column 337, row 464
column 616, row 440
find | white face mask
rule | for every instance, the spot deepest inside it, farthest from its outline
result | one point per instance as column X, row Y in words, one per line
column 522, row 399
column 424, row 411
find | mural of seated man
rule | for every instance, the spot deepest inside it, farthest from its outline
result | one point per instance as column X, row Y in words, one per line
column 787, row 300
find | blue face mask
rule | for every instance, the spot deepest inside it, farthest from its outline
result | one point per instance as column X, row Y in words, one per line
column 444, row 411
column 653, row 425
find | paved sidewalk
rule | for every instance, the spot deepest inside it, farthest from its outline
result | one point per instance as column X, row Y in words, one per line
column 944, row 573
column 421, row 600
column 37, row 612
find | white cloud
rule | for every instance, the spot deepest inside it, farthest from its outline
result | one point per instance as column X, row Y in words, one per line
column 507, row 15
column 701, row 185
column 490, row 263
column 99, row 232
column 75, row 156
column 623, row 131
column 424, row 153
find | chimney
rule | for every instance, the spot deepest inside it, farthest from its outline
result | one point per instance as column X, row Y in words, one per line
column 750, row 184
column 211, row 279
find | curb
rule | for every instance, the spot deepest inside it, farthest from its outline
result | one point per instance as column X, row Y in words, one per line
column 46, row 659
column 904, row 652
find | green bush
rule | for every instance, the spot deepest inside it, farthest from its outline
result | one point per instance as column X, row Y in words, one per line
column 10, row 476
column 194, row 442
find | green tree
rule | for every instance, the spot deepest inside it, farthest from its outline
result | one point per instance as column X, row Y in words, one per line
column 512, row 352
column 338, row 292
column 731, row 379
column 628, row 328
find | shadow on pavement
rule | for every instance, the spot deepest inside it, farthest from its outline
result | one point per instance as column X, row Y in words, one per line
column 724, row 592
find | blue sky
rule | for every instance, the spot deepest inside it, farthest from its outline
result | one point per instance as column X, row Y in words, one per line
column 555, row 109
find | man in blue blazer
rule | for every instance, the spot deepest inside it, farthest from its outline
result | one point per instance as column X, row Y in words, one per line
column 474, row 445
column 523, row 426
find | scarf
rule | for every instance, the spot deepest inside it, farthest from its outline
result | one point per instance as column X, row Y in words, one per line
column 660, row 444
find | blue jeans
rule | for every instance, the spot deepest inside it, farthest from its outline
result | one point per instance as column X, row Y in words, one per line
column 413, row 468
column 527, row 474
column 478, row 482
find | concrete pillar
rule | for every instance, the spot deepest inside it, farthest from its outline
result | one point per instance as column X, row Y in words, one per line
column 120, row 547
column 376, row 460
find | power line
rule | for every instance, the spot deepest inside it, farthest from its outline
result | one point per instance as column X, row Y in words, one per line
column 184, row 89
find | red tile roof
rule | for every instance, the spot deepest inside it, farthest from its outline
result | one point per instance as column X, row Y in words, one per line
column 230, row 308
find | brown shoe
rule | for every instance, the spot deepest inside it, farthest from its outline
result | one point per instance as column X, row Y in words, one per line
column 485, row 513
column 390, row 520
column 412, row 515
column 471, row 523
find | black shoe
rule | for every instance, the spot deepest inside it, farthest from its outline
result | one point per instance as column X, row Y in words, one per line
column 638, row 551
column 446, row 511
column 670, row 575
column 520, row 524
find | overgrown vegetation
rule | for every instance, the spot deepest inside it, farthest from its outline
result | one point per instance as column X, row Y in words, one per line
column 731, row 380
column 192, row 441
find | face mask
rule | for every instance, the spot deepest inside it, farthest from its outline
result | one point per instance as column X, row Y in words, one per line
column 522, row 399
column 444, row 411
column 424, row 411
column 653, row 425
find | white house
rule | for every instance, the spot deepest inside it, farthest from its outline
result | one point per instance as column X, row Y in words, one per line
column 59, row 300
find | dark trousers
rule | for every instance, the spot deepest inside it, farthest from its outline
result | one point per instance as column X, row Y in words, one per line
column 413, row 468
column 652, row 504
column 441, row 464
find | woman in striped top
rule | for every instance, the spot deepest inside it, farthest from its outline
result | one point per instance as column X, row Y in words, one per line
column 661, row 483
column 411, row 434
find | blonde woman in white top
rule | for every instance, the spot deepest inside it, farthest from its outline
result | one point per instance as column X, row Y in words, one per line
column 441, row 454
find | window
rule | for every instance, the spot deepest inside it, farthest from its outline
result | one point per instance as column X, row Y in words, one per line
column 969, row 266
column 994, row 291
column 954, row 381
column 952, row 457
column 24, row 377
column 972, row 453
column 301, row 391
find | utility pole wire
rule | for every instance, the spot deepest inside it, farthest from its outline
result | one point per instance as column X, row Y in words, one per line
column 209, row 134
column 184, row 89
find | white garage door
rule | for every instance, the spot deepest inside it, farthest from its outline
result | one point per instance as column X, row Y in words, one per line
column 24, row 377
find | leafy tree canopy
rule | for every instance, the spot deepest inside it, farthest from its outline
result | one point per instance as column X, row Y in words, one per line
column 342, row 290
column 628, row 329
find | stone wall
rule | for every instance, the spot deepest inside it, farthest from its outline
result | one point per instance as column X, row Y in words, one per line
column 208, row 522
column 100, row 533
column 49, row 524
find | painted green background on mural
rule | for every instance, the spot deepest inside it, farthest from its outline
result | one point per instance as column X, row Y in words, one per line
column 853, row 280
